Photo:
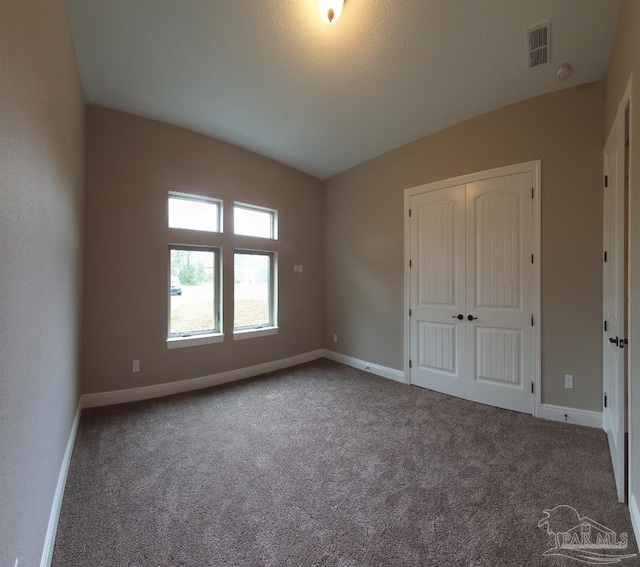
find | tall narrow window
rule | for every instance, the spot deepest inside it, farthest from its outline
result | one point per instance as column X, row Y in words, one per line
column 249, row 220
column 193, row 291
column 254, row 296
column 194, row 213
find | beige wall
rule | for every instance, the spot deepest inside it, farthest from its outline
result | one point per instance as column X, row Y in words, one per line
column 131, row 164
column 41, row 165
column 364, row 233
column 625, row 60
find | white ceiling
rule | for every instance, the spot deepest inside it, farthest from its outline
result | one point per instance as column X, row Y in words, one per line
column 271, row 76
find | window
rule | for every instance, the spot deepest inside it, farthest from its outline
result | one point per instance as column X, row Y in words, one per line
column 249, row 220
column 195, row 280
column 194, row 213
column 254, row 277
column 193, row 292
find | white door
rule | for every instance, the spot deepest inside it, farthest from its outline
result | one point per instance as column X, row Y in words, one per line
column 499, row 334
column 471, row 291
column 438, row 290
column 614, row 314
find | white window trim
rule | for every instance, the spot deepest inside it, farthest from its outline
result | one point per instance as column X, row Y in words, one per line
column 274, row 220
column 196, row 340
column 208, row 334
column 198, row 199
column 273, row 285
column 243, row 334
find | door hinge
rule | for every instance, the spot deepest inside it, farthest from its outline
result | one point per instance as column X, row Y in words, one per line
column 605, row 255
column 409, row 213
column 532, row 388
column 606, row 181
column 605, row 326
column 605, row 400
column 533, row 193
column 532, row 321
column 410, row 264
column 410, row 313
column 410, row 364
column 532, row 258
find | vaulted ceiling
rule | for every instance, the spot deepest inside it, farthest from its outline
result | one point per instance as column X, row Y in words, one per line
column 273, row 77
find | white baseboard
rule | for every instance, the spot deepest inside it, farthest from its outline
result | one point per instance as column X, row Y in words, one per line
column 634, row 512
column 547, row 411
column 50, row 539
column 384, row 371
column 587, row 418
column 181, row 386
column 571, row 415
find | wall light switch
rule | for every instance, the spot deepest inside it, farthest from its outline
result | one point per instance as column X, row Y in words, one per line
column 335, row 338
column 136, row 366
column 295, row 268
column 568, row 381
column 300, row 268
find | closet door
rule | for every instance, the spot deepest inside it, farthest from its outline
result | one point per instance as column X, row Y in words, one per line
column 499, row 292
column 437, row 296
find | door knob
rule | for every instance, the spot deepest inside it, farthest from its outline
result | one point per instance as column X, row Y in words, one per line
column 459, row 316
column 614, row 341
column 471, row 318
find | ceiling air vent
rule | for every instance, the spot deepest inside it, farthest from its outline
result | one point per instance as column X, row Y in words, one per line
column 538, row 43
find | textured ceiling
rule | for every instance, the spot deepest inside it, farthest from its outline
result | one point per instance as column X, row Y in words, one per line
column 271, row 76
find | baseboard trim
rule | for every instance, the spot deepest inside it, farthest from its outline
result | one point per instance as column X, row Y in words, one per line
column 552, row 412
column 378, row 370
column 181, row 386
column 56, row 506
column 587, row 418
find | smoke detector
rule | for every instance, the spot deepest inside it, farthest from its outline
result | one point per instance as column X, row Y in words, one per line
column 563, row 72
column 538, row 44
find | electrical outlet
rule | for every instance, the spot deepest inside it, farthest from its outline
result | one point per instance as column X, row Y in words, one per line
column 568, row 381
column 136, row 366
column 335, row 338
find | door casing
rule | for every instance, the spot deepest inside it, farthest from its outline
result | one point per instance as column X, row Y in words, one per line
column 614, row 423
column 533, row 167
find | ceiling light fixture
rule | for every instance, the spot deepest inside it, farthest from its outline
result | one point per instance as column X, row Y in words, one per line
column 330, row 9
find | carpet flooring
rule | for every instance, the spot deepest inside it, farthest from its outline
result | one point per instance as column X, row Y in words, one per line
column 323, row 464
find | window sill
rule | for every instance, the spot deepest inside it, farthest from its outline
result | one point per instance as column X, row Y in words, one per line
column 197, row 340
column 254, row 333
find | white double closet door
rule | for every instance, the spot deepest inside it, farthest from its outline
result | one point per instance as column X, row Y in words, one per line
column 471, row 291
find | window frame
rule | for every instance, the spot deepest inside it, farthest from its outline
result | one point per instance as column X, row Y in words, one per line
column 178, row 340
column 250, row 331
column 257, row 208
column 198, row 199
